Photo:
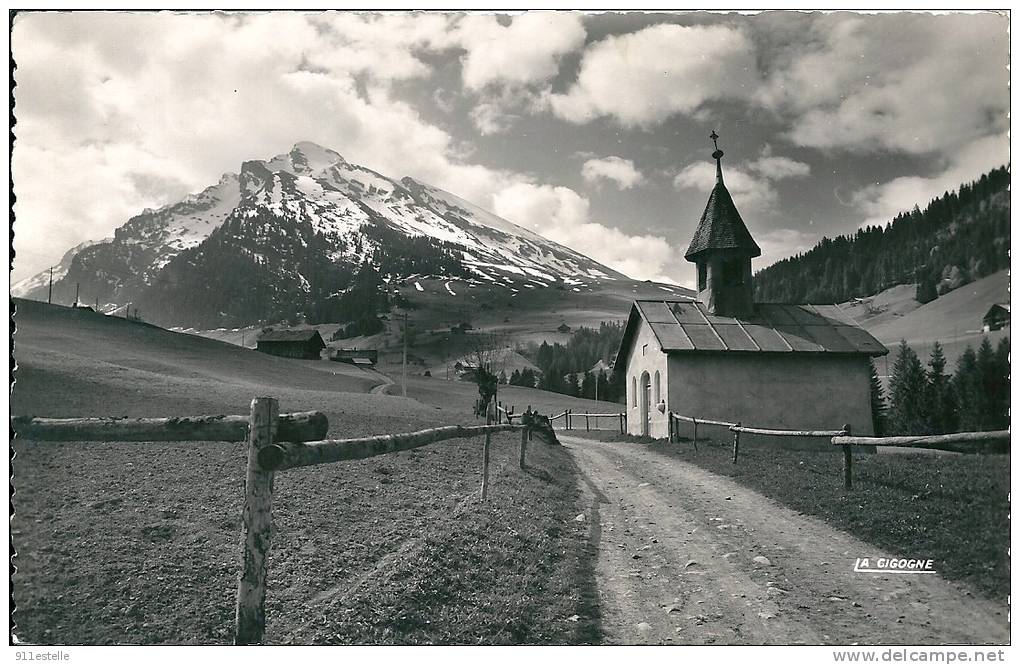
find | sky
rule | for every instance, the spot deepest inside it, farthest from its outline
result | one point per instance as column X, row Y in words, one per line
column 591, row 129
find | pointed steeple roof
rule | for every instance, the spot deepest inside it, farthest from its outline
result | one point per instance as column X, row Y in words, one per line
column 721, row 226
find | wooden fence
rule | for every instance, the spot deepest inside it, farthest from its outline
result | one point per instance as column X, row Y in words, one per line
column 276, row 442
column 964, row 442
column 591, row 420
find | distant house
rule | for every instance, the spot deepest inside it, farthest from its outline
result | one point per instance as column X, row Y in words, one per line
column 997, row 317
column 305, row 343
column 360, row 357
column 564, row 328
column 465, row 370
column 601, row 366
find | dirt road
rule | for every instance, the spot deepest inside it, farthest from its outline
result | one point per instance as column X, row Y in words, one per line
column 689, row 557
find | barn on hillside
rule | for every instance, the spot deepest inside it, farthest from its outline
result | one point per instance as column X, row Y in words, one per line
column 361, row 357
column 997, row 317
column 725, row 357
column 291, row 343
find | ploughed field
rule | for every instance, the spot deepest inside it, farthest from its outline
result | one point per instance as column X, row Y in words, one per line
column 140, row 542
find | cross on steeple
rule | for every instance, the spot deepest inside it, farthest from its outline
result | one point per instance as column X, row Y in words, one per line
column 717, row 155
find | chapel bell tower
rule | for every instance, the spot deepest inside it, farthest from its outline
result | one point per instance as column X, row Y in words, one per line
column 722, row 249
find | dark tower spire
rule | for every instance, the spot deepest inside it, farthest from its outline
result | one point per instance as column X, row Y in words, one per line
column 717, row 155
column 722, row 248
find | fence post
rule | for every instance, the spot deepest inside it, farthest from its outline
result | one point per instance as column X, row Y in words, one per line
column 848, row 461
column 524, row 444
column 257, row 519
column 623, row 429
column 587, row 426
column 736, row 444
column 567, row 419
column 695, row 434
column 485, row 465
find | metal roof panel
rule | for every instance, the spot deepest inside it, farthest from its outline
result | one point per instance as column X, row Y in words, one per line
column 655, row 311
column 766, row 337
column 735, row 338
column 703, row 337
column 671, row 337
column 798, row 338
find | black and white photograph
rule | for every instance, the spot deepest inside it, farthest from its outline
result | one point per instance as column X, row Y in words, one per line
column 448, row 327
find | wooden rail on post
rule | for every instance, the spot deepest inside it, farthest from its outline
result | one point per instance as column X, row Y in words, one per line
column 303, row 426
column 736, row 442
column 257, row 518
column 848, row 461
column 485, row 465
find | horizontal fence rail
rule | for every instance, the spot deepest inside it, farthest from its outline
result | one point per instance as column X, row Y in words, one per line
column 302, row 426
column 282, row 456
column 962, row 442
column 569, row 416
column 703, row 421
column 827, row 433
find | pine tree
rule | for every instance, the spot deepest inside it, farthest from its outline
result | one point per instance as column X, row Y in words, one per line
column 906, row 393
column 604, row 393
column 967, row 387
column 939, row 403
column 588, row 386
column 878, row 406
column 994, row 382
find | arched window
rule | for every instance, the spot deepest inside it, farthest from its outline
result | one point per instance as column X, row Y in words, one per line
column 658, row 391
column 633, row 390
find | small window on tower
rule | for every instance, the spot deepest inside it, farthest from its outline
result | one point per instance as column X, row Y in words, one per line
column 733, row 272
column 702, row 276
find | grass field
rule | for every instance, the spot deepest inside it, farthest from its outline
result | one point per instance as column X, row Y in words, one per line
column 139, row 542
column 953, row 319
column 950, row 508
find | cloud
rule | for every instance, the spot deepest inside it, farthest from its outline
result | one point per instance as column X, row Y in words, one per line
column 506, row 63
column 881, row 202
column 750, row 183
column 750, row 192
column 617, row 170
column 562, row 215
column 183, row 98
column 644, row 77
column 779, row 244
column 526, row 50
column 910, row 83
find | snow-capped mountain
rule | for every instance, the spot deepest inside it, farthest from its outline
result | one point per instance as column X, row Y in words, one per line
column 40, row 283
column 299, row 234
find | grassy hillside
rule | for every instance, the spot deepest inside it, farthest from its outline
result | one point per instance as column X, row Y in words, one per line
column 954, row 319
column 138, row 542
column 517, row 313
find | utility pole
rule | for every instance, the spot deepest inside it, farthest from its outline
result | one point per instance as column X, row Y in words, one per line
column 49, row 296
column 76, row 285
column 403, row 378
